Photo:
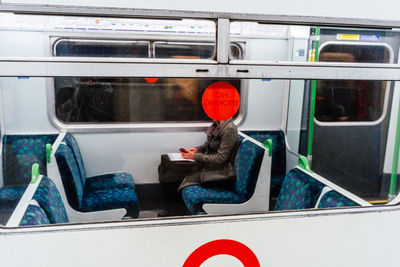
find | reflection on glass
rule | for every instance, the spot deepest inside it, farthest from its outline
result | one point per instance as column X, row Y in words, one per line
column 349, row 100
column 93, row 48
column 87, row 100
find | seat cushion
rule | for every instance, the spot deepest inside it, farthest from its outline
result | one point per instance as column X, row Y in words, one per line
column 34, row 215
column 50, row 201
column 196, row 195
column 9, row 198
column 112, row 198
column 109, row 181
column 333, row 199
column 299, row 191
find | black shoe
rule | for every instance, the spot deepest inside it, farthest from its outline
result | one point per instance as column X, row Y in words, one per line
column 163, row 213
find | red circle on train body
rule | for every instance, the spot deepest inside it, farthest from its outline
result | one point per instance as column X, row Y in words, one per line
column 221, row 101
column 151, row 80
column 222, row 247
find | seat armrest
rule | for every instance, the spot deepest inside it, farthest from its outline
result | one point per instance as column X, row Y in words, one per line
column 259, row 201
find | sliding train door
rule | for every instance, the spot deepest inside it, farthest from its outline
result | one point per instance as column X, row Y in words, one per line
column 352, row 116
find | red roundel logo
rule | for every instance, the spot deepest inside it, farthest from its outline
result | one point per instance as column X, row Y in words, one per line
column 222, row 247
column 221, row 101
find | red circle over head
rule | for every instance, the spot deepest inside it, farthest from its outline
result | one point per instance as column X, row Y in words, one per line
column 222, row 247
column 151, row 80
column 221, row 101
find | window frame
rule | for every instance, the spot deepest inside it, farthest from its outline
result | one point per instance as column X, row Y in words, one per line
column 48, row 67
column 133, row 126
column 387, row 88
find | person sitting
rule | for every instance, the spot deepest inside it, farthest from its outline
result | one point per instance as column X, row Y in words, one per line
column 215, row 157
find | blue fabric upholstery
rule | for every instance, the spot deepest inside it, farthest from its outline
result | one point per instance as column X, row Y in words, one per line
column 299, row 191
column 71, row 142
column 34, row 215
column 195, row 196
column 111, row 199
column 278, row 164
column 247, row 166
column 109, row 191
column 333, row 199
column 111, row 180
column 9, row 198
column 20, row 152
column 50, row 201
column 70, row 176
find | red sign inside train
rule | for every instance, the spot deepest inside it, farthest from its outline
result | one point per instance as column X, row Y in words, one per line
column 221, row 101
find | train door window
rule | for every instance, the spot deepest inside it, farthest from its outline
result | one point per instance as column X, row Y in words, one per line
column 102, row 48
column 349, row 100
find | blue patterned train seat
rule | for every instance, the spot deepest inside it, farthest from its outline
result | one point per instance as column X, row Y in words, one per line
column 299, row 191
column 34, row 215
column 46, row 206
column 247, row 166
column 278, row 164
column 20, row 152
column 333, row 199
column 104, row 192
column 105, row 181
column 9, row 198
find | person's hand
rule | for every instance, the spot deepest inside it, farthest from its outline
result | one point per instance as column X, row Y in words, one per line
column 193, row 149
column 188, row 155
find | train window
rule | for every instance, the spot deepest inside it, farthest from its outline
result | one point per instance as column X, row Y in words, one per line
column 102, row 48
column 183, row 50
column 86, row 100
column 130, row 100
column 352, row 101
column 191, row 50
column 350, row 158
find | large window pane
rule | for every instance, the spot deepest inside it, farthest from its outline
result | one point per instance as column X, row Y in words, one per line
column 87, row 100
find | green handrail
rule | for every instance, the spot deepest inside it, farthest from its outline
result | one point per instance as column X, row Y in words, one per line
column 393, row 176
column 49, row 149
column 304, row 164
column 268, row 144
column 313, row 96
column 35, row 173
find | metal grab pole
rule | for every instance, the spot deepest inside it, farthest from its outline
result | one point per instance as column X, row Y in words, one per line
column 395, row 163
column 314, row 58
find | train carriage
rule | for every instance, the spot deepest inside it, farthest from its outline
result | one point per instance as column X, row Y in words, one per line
column 94, row 99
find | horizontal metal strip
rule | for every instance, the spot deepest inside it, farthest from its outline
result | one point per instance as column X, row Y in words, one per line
column 100, row 69
column 199, row 62
column 177, row 14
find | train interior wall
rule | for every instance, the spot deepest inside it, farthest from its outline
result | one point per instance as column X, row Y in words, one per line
column 25, row 108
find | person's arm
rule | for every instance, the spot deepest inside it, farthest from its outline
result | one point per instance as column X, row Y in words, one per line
column 229, row 138
column 201, row 149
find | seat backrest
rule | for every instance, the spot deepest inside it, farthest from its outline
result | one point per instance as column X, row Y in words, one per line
column 20, row 152
column 299, row 191
column 247, row 166
column 333, row 199
column 278, row 164
column 70, row 175
column 71, row 142
column 49, row 199
column 34, row 215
